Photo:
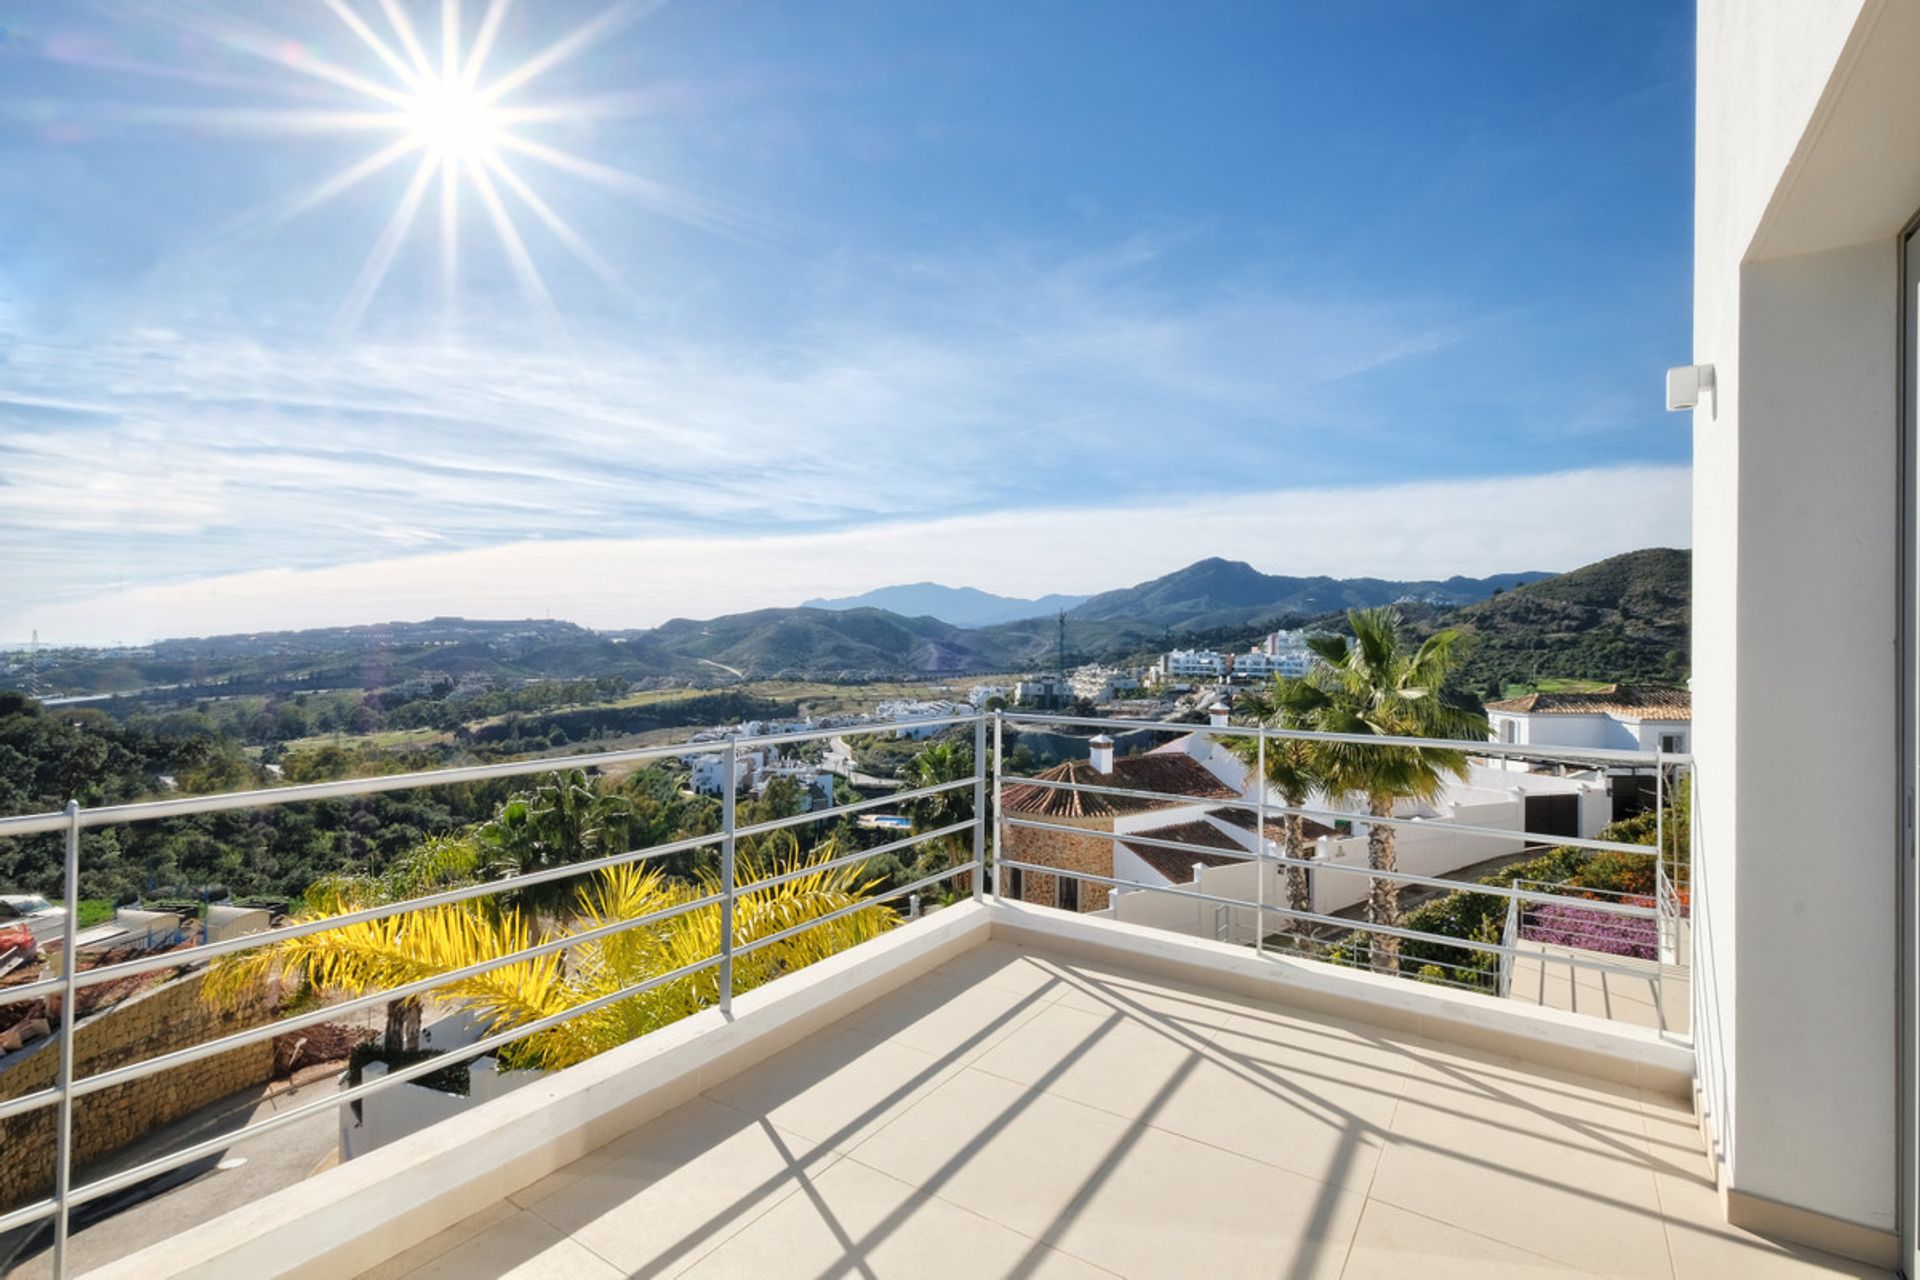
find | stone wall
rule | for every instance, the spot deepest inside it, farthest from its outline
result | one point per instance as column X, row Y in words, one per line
column 1091, row 854
column 160, row 1020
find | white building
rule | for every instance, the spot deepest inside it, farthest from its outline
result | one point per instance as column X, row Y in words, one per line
column 979, row 695
column 1040, row 691
column 1619, row 716
column 1096, row 683
column 1806, row 279
column 1179, row 663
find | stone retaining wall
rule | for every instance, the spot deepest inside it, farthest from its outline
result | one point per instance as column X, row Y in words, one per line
column 157, row 1021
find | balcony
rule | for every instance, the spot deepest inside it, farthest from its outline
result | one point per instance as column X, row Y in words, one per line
column 1005, row 1088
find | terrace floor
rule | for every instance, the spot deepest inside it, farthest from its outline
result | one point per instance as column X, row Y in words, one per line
column 1025, row 1114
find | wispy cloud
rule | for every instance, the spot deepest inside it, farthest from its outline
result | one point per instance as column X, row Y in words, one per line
column 1430, row 529
column 165, row 455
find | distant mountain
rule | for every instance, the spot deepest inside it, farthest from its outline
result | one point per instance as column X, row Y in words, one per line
column 829, row 644
column 1624, row 618
column 960, row 606
column 1628, row 617
column 1224, row 593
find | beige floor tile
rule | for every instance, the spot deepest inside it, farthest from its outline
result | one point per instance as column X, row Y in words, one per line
column 1552, row 1167
column 1705, row 1246
column 1674, row 1139
column 854, row 1220
column 520, row 1246
column 1006, row 968
column 1118, row 1062
column 950, row 1017
column 1393, row 1244
column 1170, row 1207
column 1327, row 1130
column 412, row 1260
column 837, row 1086
column 1100, row 990
column 1014, row 1155
column 659, row 1198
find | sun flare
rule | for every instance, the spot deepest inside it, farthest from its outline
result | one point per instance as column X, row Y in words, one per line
column 462, row 130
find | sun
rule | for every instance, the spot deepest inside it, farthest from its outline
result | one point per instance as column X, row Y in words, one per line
column 460, row 130
column 453, row 123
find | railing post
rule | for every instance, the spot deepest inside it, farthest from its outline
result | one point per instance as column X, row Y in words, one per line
column 69, row 972
column 729, row 765
column 1662, row 924
column 999, row 763
column 980, row 807
column 1260, row 849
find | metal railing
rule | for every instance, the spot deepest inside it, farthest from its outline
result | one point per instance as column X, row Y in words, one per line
column 72, row 980
column 998, row 848
column 1313, row 931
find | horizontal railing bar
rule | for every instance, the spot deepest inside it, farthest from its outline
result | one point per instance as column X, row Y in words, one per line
column 420, row 986
column 1340, row 815
column 246, row 942
column 31, row 990
column 186, row 1155
column 859, row 806
column 1318, row 864
column 858, row 855
column 1339, row 922
column 852, row 907
column 38, row 1211
column 341, row 788
column 29, row 1102
column 857, row 730
column 1470, row 746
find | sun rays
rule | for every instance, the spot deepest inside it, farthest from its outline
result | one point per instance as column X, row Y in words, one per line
column 462, row 136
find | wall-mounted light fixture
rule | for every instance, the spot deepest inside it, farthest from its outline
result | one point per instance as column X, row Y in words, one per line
column 1687, row 384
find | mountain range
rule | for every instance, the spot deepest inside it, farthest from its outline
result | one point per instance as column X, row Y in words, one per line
column 960, row 606
column 1625, row 617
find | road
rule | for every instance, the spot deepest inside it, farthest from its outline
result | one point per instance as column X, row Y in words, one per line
column 271, row 1160
column 844, row 766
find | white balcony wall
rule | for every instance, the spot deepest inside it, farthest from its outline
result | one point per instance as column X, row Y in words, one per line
column 394, row 1113
column 1808, row 164
column 1430, row 849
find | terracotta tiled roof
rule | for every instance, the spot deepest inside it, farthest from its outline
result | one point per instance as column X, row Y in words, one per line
column 1178, row 777
column 1643, row 701
column 1177, row 864
column 1276, row 827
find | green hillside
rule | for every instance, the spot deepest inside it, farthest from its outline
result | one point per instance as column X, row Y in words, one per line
column 1624, row 618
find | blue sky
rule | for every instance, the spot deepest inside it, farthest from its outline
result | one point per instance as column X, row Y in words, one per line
column 856, row 293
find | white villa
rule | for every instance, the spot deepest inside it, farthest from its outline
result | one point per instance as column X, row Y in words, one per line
column 1618, row 717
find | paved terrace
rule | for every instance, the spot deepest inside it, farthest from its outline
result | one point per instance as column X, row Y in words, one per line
column 1029, row 1113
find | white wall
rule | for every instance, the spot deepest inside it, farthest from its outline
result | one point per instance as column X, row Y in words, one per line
column 1430, row 849
column 1795, row 520
column 395, row 1112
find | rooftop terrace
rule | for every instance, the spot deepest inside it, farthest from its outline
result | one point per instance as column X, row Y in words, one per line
column 1009, row 1091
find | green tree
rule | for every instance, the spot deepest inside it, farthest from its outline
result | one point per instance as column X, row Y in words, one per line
column 938, row 763
column 1296, row 769
column 564, row 820
column 1377, row 684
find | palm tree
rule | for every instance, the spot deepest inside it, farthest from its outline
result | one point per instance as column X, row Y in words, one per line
column 938, row 763
column 437, row 863
column 564, row 820
column 1296, row 769
column 378, row 955
column 1376, row 684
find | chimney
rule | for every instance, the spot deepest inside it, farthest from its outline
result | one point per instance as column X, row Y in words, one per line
column 1100, row 753
column 1217, row 715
